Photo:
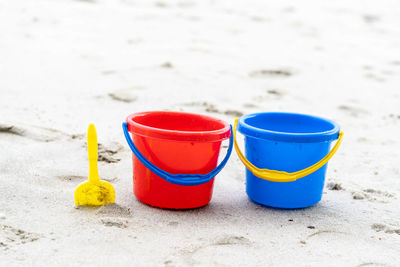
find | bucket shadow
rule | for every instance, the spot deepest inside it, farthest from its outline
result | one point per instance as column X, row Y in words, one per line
column 174, row 210
column 216, row 207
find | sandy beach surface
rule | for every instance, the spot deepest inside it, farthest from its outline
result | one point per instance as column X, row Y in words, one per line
column 65, row 63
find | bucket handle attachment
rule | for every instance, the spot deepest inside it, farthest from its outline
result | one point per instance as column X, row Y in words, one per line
column 282, row 176
column 180, row 179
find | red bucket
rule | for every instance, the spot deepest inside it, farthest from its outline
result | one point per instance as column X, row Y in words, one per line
column 175, row 157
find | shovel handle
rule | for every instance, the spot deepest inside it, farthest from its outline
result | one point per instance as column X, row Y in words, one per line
column 92, row 154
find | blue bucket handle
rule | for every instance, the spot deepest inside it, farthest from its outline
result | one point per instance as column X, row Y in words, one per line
column 180, row 179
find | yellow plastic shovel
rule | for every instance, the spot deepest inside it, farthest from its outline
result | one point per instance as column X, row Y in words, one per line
column 95, row 192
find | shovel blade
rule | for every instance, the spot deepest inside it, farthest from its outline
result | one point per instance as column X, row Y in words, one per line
column 89, row 194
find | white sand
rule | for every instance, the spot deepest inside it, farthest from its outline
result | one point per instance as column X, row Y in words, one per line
column 66, row 63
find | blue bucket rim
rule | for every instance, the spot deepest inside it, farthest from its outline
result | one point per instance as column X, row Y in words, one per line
column 314, row 137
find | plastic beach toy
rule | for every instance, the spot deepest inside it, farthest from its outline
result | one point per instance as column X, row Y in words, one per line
column 94, row 192
column 286, row 157
column 175, row 157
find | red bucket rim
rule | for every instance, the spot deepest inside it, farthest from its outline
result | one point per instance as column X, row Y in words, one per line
column 178, row 135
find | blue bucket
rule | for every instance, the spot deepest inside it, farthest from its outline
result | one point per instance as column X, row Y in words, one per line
column 286, row 157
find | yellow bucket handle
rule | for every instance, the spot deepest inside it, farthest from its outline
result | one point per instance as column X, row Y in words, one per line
column 281, row 176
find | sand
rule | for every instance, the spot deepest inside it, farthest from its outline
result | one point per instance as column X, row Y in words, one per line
column 67, row 63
